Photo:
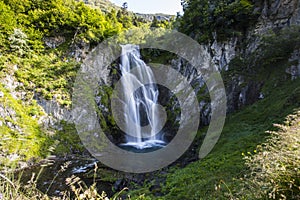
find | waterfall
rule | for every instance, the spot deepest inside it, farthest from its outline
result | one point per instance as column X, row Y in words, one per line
column 142, row 105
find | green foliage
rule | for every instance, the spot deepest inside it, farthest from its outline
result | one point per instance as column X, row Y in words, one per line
column 18, row 42
column 72, row 20
column 43, row 71
column 8, row 23
column 141, row 35
column 161, row 23
column 277, row 46
column 203, row 18
column 124, row 18
column 21, row 136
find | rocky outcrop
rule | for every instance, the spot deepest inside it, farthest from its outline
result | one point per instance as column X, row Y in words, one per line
column 240, row 91
column 294, row 69
column 275, row 14
column 54, row 42
column 222, row 53
column 8, row 112
column 79, row 50
column 278, row 14
column 159, row 17
column 55, row 113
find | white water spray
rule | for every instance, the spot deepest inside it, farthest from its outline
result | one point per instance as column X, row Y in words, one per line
column 143, row 104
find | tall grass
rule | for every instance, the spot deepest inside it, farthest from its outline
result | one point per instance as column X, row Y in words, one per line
column 275, row 164
column 12, row 188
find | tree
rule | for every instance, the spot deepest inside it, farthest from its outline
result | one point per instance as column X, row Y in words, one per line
column 184, row 4
column 18, row 42
column 125, row 6
column 202, row 18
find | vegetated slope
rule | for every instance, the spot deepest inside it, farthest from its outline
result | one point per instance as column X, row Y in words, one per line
column 269, row 58
column 275, row 165
column 205, row 20
column 217, row 175
column 41, row 46
column 224, row 173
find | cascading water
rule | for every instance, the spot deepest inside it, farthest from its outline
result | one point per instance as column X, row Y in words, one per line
column 142, row 105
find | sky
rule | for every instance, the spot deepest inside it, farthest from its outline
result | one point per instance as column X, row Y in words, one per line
column 152, row 6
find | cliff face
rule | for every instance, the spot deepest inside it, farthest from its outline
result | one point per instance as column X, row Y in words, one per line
column 274, row 15
column 242, row 90
column 278, row 14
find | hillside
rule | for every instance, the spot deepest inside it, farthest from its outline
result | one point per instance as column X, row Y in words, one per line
column 104, row 5
column 39, row 60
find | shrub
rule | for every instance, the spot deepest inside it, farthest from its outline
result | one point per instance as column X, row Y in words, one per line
column 275, row 172
column 18, row 42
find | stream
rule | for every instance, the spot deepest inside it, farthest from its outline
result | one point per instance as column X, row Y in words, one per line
column 51, row 177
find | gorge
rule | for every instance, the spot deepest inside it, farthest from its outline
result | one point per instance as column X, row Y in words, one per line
column 253, row 44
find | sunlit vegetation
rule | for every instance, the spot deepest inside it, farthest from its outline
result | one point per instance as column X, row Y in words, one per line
column 39, row 41
column 274, row 165
column 21, row 136
column 38, row 45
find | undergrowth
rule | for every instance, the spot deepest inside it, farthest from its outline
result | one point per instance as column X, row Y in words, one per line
column 218, row 176
column 274, row 165
column 12, row 188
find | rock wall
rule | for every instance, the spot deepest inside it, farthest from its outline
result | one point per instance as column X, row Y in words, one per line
column 278, row 14
column 275, row 14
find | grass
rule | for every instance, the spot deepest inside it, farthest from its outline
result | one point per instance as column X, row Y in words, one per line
column 217, row 175
column 221, row 174
column 274, row 165
column 12, row 188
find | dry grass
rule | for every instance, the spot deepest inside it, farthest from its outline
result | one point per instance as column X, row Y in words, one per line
column 275, row 165
column 12, row 189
